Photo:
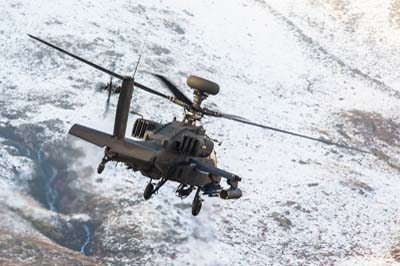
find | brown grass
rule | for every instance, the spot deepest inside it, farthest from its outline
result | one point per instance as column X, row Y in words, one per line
column 373, row 131
column 27, row 250
column 394, row 13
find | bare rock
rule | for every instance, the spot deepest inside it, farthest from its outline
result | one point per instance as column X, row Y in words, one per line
column 282, row 220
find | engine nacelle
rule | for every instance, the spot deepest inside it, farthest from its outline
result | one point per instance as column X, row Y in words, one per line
column 143, row 127
column 204, row 148
column 195, row 146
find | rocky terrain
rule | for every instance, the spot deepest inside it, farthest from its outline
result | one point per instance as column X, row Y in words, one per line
column 323, row 68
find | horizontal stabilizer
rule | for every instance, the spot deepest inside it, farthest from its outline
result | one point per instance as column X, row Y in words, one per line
column 93, row 136
column 205, row 167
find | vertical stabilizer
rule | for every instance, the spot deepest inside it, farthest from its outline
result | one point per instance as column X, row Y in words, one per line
column 123, row 107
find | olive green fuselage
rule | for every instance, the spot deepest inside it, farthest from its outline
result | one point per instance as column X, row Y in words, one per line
column 164, row 151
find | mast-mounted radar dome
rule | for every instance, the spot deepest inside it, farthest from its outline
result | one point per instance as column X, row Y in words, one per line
column 203, row 85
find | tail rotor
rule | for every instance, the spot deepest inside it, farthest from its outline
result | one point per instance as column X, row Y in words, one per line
column 108, row 88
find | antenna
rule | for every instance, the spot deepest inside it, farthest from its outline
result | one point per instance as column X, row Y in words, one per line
column 140, row 55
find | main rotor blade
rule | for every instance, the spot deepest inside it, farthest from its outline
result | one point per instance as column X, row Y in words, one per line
column 175, row 91
column 245, row 121
column 145, row 88
column 228, row 116
column 118, row 76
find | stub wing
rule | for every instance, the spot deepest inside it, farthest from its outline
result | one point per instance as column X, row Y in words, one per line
column 93, row 136
column 136, row 152
column 205, row 167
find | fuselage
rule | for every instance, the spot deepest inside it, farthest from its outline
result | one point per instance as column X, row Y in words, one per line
column 165, row 150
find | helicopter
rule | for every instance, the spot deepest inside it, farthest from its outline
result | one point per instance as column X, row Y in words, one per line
column 178, row 151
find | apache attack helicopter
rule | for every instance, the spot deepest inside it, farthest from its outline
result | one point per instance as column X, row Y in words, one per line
column 178, row 151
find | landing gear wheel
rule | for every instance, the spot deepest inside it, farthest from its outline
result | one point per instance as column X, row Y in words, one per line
column 100, row 168
column 148, row 191
column 196, row 205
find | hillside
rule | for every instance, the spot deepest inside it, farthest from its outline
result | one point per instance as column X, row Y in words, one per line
column 324, row 68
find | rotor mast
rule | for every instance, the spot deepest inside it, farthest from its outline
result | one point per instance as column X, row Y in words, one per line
column 194, row 114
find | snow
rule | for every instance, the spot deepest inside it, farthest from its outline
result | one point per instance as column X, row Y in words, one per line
column 262, row 65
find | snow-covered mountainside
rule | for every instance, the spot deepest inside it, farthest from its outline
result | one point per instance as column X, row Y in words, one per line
column 324, row 68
